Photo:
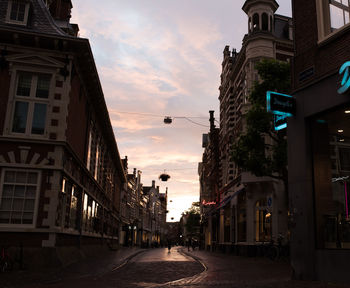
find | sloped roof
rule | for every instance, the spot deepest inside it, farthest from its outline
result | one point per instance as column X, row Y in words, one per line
column 39, row 19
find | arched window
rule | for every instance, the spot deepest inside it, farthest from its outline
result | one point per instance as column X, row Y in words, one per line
column 256, row 25
column 265, row 22
column 263, row 223
column 250, row 25
column 271, row 23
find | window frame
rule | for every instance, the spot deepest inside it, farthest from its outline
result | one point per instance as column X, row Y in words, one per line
column 325, row 32
column 37, row 195
column 26, row 13
column 31, row 100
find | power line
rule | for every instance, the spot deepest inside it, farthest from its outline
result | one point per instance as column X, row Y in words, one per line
column 158, row 115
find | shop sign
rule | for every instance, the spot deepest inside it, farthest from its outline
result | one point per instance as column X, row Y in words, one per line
column 345, row 83
column 280, row 104
column 280, row 122
column 205, row 203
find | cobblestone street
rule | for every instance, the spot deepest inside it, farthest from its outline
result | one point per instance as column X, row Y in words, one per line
column 158, row 268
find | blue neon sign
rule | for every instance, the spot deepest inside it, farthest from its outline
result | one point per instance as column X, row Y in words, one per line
column 280, row 122
column 280, row 104
column 346, row 79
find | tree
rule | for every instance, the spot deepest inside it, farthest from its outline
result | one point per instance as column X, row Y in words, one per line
column 193, row 219
column 261, row 150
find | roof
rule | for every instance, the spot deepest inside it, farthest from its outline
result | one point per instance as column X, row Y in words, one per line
column 249, row 3
column 39, row 19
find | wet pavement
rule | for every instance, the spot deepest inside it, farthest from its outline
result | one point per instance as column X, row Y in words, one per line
column 179, row 268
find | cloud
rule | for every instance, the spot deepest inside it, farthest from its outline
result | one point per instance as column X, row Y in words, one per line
column 159, row 58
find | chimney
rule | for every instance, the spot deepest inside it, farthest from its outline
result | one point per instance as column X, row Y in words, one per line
column 212, row 121
column 153, row 183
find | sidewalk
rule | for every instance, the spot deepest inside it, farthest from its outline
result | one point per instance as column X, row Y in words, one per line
column 92, row 266
column 226, row 270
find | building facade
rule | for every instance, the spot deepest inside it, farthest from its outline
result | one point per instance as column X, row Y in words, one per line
column 248, row 209
column 318, row 141
column 61, row 175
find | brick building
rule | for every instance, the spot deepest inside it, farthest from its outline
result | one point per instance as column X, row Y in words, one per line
column 319, row 141
column 60, row 170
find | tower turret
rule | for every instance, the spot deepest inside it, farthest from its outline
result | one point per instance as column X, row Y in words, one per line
column 260, row 14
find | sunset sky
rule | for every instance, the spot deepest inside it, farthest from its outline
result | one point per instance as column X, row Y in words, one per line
column 159, row 58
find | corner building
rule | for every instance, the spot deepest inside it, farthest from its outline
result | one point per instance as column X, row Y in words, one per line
column 249, row 209
column 60, row 169
column 319, row 141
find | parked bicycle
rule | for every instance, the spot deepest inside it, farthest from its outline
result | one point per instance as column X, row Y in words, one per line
column 274, row 251
column 6, row 262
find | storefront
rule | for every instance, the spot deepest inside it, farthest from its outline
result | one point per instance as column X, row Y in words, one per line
column 319, row 179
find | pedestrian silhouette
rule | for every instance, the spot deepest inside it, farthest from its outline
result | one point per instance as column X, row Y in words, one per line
column 169, row 245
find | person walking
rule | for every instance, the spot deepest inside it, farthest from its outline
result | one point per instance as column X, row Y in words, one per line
column 169, row 245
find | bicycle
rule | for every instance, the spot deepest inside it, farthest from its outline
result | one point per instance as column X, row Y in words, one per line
column 6, row 262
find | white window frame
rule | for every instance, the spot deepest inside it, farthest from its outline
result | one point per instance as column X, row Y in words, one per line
column 324, row 22
column 37, row 194
column 31, row 100
column 26, row 13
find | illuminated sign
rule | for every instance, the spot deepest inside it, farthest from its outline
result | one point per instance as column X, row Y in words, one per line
column 345, row 83
column 280, row 122
column 205, row 203
column 280, row 104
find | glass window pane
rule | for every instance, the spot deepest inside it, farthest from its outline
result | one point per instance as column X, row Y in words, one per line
column 31, row 191
column 6, row 204
column 19, row 191
column 345, row 2
column 29, row 205
column 17, row 204
column 8, row 191
column 14, row 9
column 10, row 176
column 4, row 217
column 43, row 86
column 24, row 84
column 337, row 17
column 21, row 10
column 21, row 177
column 346, row 14
column 20, row 117
column 27, row 218
column 16, row 217
column 32, row 178
column 39, row 117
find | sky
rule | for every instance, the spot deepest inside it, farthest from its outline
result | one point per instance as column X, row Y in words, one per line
column 158, row 58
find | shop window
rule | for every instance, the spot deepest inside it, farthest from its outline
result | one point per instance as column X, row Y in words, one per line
column 263, row 223
column 30, row 103
column 241, row 218
column 17, row 12
column 18, row 197
column 227, row 224
column 331, row 162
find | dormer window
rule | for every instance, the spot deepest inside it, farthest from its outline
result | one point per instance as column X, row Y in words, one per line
column 17, row 12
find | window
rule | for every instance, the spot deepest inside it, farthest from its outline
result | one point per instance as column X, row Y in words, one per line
column 332, row 15
column 30, row 103
column 265, row 22
column 18, row 197
column 339, row 13
column 17, row 12
column 331, row 168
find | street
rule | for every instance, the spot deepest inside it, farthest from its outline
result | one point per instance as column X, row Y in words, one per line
column 158, row 268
